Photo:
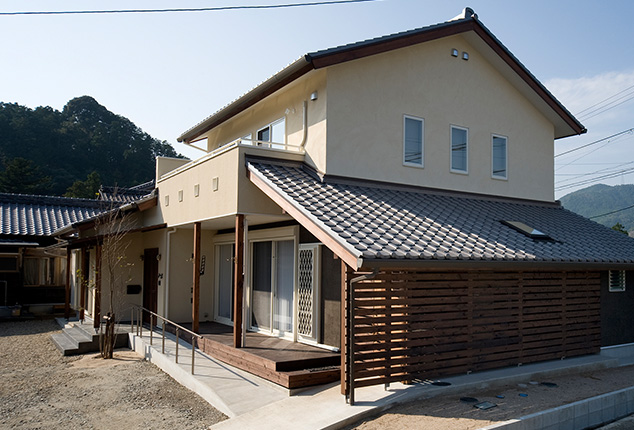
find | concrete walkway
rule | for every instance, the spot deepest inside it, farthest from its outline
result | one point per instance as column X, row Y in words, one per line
column 252, row 402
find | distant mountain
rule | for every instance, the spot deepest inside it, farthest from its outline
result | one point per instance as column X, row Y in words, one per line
column 45, row 151
column 600, row 199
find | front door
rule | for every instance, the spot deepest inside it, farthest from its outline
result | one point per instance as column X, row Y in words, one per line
column 224, row 283
column 150, row 281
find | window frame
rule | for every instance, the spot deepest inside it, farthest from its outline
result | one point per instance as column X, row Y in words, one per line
column 269, row 127
column 621, row 286
column 451, row 146
column 420, row 165
column 506, row 157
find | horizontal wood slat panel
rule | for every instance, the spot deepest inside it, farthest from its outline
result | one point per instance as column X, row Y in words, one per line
column 417, row 324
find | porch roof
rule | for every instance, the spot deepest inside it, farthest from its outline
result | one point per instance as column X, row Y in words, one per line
column 377, row 224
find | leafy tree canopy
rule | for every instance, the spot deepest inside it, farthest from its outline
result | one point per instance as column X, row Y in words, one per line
column 85, row 189
column 65, row 148
column 22, row 176
column 619, row 227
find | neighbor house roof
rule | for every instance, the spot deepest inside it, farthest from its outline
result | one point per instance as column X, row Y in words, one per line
column 377, row 224
column 126, row 195
column 32, row 215
column 468, row 25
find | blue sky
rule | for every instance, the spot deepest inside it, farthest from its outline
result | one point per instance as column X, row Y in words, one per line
column 166, row 72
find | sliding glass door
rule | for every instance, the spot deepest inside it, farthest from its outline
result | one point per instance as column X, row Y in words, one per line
column 273, row 281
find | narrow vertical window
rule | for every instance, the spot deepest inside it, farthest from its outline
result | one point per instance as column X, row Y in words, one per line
column 617, row 281
column 459, row 149
column 499, row 158
column 413, row 137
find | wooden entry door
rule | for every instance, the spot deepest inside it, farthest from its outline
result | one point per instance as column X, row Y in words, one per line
column 150, row 281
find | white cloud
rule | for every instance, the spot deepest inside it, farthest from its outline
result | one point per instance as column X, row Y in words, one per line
column 580, row 94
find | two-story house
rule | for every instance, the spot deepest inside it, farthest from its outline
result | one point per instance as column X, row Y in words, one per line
column 389, row 202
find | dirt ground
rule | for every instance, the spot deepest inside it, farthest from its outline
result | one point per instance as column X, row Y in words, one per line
column 41, row 389
column 451, row 413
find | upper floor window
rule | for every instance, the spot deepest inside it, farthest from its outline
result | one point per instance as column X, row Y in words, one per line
column 274, row 133
column 413, row 141
column 499, row 158
column 459, row 149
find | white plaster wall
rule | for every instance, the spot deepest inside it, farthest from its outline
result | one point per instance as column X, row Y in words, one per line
column 367, row 99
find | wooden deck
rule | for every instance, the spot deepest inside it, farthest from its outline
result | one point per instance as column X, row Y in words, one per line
column 289, row 364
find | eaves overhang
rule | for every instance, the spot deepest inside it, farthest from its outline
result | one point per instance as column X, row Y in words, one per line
column 292, row 72
column 565, row 123
column 344, row 250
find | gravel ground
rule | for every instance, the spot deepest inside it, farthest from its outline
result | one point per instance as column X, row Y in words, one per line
column 41, row 389
column 450, row 413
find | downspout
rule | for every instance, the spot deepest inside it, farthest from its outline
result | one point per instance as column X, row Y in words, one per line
column 351, row 330
column 304, row 124
column 167, row 271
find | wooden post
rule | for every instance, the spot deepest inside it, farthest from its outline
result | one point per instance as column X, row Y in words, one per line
column 67, row 296
column 344, row 328
column 238, row 282
column 97, row 315
column 196, row 287
column 85, row 268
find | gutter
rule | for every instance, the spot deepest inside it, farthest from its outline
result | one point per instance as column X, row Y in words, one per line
column 495, row 264
column 296, row 69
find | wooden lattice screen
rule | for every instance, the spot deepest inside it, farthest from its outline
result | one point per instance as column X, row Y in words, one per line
column 410, row 325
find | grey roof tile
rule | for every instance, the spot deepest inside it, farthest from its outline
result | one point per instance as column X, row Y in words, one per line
column 29, row 215
column 383, row 221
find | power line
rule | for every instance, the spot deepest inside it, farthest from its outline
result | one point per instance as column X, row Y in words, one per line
column 584, row 111
column 597, row 179
column 610, row 213
column 595, row 142
column 201, row 9
column 574, row 176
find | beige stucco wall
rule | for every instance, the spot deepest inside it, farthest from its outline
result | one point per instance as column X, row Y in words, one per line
column 285, row 103
column 229, row 169
column 181, row 276
column 368, row 98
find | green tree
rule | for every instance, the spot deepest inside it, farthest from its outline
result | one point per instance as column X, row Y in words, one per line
column 85, row 189
column 68, row 146
column 620, row 228
column 23, row 176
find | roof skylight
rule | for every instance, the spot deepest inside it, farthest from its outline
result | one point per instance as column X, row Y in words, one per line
column 526, row 230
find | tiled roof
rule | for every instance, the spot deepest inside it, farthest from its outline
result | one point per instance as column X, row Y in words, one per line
column 30, row 215
column 125, row 195
column 381, row 221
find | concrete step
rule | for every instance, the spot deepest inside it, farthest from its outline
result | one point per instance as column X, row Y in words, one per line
column 65, row 344
column 86, row 341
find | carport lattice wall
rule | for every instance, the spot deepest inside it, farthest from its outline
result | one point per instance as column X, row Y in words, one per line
column 417, row 324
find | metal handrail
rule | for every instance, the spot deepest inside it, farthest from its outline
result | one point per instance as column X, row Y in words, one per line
column 138, row 327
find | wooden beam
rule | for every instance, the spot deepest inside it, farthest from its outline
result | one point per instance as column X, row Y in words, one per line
column 97, row 315
column 196, row 279
column 238, row 289
column 67, row 295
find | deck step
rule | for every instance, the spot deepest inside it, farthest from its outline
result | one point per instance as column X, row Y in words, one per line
column 269, row 369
